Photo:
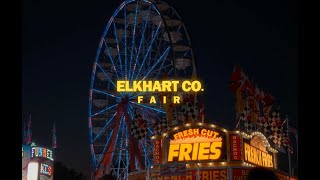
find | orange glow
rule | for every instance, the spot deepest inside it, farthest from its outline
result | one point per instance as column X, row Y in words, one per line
column 257, row 157
column 195, row 151
column 195, row 133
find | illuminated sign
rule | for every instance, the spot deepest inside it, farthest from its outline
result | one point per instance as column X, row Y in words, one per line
column 40, row 152
column 196, row 144
column 235, row 147
column 240, row 174
column 158, row 86
column 212, row 174
column 157, row 151
column 256, row 152
column 45, row 169
column 173, row 169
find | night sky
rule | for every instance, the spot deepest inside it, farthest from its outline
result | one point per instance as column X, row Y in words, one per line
column 60, row 39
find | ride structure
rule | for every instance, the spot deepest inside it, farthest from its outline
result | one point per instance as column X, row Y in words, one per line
column 143, row 40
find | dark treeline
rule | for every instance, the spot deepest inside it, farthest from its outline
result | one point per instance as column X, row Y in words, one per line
column 62, row 172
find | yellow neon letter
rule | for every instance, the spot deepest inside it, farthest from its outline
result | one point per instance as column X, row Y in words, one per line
column 166, row 86
column 195, row 86
column 195, row 151
column 140, row 98
column 175, row 85
column 137, row 86
column 204, row 151
column 176, row 99
column 185, row 150
column 215, row 153
column 120, row 86
column 152, row 100
column 184, row 88
column 128, row 87
column 147, row 85
column 164, row 99
column 173, row 151
column 157, row 86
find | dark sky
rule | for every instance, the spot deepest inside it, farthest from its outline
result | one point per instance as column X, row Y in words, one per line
column 60, row 39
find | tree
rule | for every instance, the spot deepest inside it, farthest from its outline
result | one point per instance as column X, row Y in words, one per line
column 62, row 172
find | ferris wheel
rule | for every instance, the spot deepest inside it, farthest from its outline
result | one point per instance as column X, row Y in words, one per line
column 143, row 40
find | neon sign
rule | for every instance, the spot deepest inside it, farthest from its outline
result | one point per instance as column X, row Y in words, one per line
column 257, row 157
column 257, row 153
column 235, row 147
column 45, row 169
column 195, row 144
column 40, row 152
column 157, row 151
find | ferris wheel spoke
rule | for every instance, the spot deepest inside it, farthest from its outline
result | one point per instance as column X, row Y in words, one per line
column 158, row 45
column 127, row 150
column 121, row 141
column 137, row 95
column 145, row 153
column 151, row 69
column 143, row 31
column 105, row 74
column 125, row 44
column 160, row 68
column 110, row 107
column 150, row 131
column 96, row 90
column 133, row 36
column 105, row 147
column 170, row 71
column 130, row 110
column 114, row 67
column 154, row 36
column 163, row 56
column 107, row 123
column 114, row 146
column 154, row 109
column 117, row 41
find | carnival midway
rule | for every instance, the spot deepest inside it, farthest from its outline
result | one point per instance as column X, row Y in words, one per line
column 147, row 41
column 162, row 133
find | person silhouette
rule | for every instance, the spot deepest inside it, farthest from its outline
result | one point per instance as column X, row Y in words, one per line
column 259, row 173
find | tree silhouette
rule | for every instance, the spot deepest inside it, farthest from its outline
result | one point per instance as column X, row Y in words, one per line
column 62, row 172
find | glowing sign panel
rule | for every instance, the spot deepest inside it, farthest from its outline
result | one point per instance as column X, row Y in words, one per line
column 212, row 174
column 240, row 173
column 157, row 152
column 40, row 152
column 257, row 153
column 196, row 144
column 46, row 169
column 235, row 147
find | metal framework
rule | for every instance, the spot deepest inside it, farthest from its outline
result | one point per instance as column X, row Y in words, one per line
column 143, row 40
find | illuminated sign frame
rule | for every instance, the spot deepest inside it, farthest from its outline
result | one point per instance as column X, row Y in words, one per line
column 157, row 152
column 235, row 141
column 46, row 169
column 195, row 142
column 264, row 155
column 41, row 152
